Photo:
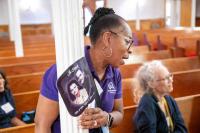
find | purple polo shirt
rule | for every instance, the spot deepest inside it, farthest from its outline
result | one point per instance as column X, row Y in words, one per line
column 111, row 85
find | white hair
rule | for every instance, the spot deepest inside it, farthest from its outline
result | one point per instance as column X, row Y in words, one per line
column 146, row 73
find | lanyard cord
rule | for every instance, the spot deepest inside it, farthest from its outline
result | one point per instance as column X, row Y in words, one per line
column 171, row 125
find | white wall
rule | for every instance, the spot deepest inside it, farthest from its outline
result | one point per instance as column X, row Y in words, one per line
column 35, row 11
column 3, row 12
column 31, row 11
column 148, row 9
column 39, row 11
column 198, row 8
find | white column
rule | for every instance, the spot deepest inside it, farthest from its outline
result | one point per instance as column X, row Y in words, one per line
column 17, row 30
column 178, row 12
column 173, row 14
column 11, row 20
column 68, row 32
column 193, row 15
column 137, row 25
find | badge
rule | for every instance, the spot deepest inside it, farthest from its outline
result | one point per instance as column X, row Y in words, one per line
column 7, row 107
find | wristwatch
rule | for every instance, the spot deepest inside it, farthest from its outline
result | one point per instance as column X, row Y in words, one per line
column 110, row 120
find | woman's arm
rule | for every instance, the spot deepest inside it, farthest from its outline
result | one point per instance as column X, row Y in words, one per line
column 17, row 122
column 46, row 113
column 117, row 112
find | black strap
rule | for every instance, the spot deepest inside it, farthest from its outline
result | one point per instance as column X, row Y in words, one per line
column 98, row 104
column 97, row 97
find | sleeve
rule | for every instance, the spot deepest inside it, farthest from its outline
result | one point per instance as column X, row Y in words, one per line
column 12, row 102
column 145, row 119
column 179, row 126
column 118, row 85
column 48, row 88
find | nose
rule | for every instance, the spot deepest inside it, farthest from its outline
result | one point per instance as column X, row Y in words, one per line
column 126, row 55
column 170, row 79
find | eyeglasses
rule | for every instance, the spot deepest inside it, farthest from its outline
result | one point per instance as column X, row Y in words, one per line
column 128, row 40
column 169, row 77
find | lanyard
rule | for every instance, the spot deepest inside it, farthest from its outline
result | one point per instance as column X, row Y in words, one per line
column 168, row 116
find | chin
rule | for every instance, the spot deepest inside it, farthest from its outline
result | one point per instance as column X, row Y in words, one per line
column 115, row 66
column 170, row 89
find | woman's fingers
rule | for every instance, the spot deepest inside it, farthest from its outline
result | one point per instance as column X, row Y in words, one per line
column 93, row 118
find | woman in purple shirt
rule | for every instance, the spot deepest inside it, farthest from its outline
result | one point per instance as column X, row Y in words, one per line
column 111, row 38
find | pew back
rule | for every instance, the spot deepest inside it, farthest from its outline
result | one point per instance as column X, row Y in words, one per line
column 25, row 82
column 184, row 83
column 29, row 128
column 25, row 68
column 26, row 101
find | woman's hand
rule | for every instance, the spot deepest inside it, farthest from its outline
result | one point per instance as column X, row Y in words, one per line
column 93, row 118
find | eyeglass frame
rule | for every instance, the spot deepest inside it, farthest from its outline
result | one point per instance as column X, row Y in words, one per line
column 129, row 42
column 170, row 76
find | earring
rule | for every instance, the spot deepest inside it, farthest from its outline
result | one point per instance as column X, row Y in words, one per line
column 107, row 52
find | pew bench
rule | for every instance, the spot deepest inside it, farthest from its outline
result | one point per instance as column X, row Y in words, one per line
column 184, row 84
column 29, row 128
column 189, row 108
column 173, row 64
column 25, row 68
column 26, row 101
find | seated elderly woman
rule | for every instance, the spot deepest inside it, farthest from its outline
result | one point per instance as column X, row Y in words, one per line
column 157, row 112
column 7, row 107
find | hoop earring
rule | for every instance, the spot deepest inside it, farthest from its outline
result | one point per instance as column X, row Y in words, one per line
column 107, row 52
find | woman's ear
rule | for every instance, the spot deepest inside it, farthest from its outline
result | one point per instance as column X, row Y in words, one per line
column 106, row 39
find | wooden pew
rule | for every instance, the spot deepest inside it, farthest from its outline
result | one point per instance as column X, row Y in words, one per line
column 26, row 101
column 153, row 55
column 26, row 59
column 38, row 39
column 184, row 83
column 25, row 82
column 182, row 63
column 139, row 49
column 128, row 70
column 30, row 82
column 128, row 97
column 167, row 35
column 10, row 45
column 126, row 125
column 29, row 128
column 189, row 108
column 173, row 64
column 24, row 68
column 189, row 44
column 31, row 51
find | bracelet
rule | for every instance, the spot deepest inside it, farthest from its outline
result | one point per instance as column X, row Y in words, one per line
column 107, row 124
